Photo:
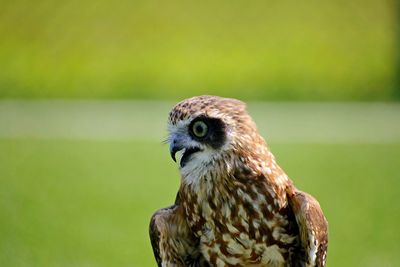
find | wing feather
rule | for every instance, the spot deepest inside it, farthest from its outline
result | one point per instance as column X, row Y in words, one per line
column 155, row 233
column 313, row 227
column 173, row 243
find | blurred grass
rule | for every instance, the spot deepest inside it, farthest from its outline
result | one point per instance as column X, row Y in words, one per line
column 313, row 50
column 88, row 203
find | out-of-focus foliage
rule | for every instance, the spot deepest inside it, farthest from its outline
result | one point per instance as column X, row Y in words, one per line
column 309, row 50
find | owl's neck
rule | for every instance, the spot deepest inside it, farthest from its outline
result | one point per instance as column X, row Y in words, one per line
column 224, row 176
column 237, row 192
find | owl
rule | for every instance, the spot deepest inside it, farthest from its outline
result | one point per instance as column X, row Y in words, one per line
column 235, row 205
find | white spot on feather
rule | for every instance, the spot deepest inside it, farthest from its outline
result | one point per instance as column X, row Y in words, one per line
column 313, row 250
column 272, row 256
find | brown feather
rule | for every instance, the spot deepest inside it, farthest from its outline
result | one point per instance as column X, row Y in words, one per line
column 312, row 224
column 235, row 205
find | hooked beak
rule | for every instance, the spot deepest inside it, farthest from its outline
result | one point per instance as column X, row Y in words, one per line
column 176, row 145
column 173, row 149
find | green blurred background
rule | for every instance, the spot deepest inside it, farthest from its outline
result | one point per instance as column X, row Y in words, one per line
column 86, row 86
column 264, row 50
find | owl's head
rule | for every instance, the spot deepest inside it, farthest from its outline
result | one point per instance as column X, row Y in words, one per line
column 207, row 130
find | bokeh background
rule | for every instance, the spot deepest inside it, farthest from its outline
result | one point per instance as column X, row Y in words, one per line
column 86, row 87
column 265, row 50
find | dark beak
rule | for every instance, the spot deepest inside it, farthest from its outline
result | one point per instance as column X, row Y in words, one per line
column 176, row 145
column 173, row 149
column 172, row 152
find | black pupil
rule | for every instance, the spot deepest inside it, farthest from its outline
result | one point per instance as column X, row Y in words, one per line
column 199, row 129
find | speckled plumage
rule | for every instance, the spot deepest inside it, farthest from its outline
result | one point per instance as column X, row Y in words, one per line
column 235, row 205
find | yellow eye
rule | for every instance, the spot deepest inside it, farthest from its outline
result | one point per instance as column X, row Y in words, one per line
column 199, row 129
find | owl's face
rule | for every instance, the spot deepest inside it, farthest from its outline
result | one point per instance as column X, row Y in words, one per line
column 206, row 129
column 199, row 139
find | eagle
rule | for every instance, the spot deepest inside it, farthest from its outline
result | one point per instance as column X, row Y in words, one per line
column 235, row 205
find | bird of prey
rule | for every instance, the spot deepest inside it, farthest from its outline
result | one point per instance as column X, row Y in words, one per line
column 235, row 205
